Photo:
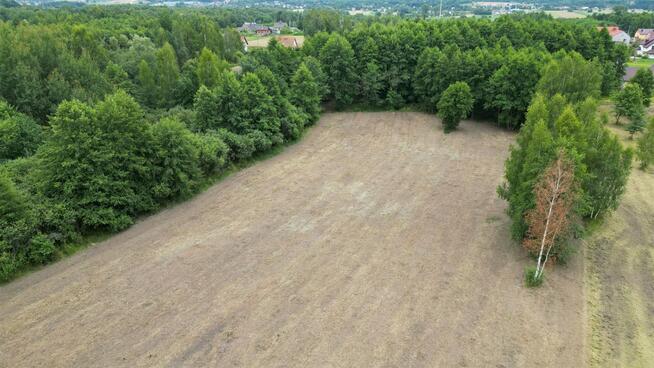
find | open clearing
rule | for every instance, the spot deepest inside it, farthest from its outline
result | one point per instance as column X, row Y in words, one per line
column 263, row 41
column 377, row 241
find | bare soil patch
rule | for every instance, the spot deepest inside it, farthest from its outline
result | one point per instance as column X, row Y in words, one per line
column 377, row 241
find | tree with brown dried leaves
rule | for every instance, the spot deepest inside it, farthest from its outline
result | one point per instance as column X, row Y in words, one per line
column 550, row 219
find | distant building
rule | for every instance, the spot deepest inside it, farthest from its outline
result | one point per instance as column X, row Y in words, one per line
column 644, row 34
column 280, row 25
column 288, row 41
column 617, row 35
column 255, row 28
column 263, row 31
column 646, row 48
column 248, row 27
column 245, row 43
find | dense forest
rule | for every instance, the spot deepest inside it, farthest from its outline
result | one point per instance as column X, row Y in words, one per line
column 418, row 6
column 111, row 113
column 628, row 21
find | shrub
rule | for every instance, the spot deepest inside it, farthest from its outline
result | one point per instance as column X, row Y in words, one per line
column 240, row 147
column 41, row 249
column 213, row 152
column 394, row 99
column 293, row 122
column 530, row 280
column 19, row 136
column 261, row 142
column 9, row 263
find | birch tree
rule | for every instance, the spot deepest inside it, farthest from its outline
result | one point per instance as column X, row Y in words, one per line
column 549, row 220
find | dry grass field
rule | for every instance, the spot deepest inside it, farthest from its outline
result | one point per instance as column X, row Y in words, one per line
column 566, row 14
column 619, row 273
column 263, row 41
column 377, row 241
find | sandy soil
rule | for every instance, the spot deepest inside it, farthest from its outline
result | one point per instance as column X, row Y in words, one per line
column 377, row 241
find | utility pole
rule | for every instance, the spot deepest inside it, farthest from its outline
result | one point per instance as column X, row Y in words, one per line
column 440, row 10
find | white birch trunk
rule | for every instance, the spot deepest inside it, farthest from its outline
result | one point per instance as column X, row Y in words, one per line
column 539, row 265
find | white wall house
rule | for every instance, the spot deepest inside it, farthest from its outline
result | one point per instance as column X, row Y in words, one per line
column 621, row 37
column 617, row 35
column 643, row 34
column 646, row 48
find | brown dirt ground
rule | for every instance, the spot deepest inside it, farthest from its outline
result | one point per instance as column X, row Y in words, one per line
column 619, row 273
column 377, row 241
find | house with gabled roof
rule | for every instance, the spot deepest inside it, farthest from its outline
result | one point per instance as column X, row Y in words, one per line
column 288, row 41
column 646, row 48
column 617, row 35
column 644, row 34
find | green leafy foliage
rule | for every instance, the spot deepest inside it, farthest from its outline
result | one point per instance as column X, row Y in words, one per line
column 212, row 152
column 646, row 146
column 512, row 86
column 102, row 158
column 337, row 59
column 305, row 92
column 629, row 103
column 209, row 68
column 570, row 75
column 531, row 280
column 20, row 135
column 95, row 161
column 455, row 104
column 645, row 80
column 601, row 164
column 175, row 160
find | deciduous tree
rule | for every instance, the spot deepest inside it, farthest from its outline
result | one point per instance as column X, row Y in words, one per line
column 629, row 103
column 305, row 92
column 208, row 68
column 455, row 104
column 337, row 59
column 95, row 161
column 549, row 220
column 646, row 146
column 175, row 160
column 572, row 76
column 645, row 79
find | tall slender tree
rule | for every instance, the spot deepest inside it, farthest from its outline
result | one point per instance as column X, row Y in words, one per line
column 549, row 220
column 645, row 79
column 337, row 59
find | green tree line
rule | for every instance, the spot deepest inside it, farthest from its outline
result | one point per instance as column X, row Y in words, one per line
column 98, row 128
column 107, row 115
column 412, row 62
